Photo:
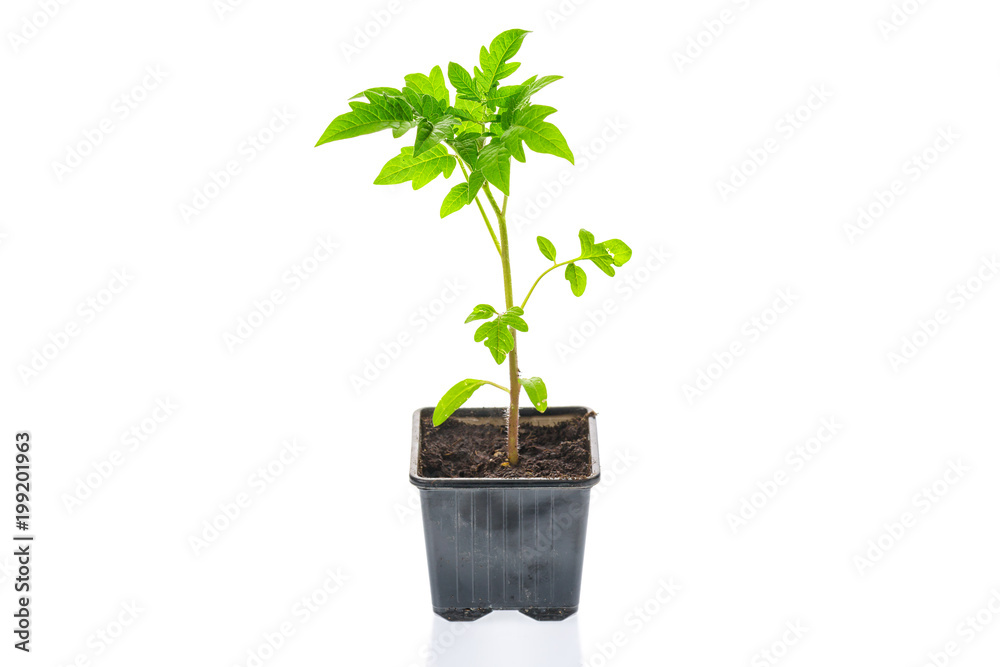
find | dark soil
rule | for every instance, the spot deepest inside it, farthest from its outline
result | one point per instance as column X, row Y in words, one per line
column 458, row 449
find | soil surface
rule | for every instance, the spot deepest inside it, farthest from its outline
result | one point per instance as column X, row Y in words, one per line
column 458, row 449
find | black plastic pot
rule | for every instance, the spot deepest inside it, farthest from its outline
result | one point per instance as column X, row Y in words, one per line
column 505, row 543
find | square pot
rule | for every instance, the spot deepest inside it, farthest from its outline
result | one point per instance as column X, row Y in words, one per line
column 510, row 543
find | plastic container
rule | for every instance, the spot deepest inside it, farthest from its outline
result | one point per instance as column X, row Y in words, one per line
column 505, row 543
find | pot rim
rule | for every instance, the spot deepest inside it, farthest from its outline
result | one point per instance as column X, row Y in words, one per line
column 507, row 482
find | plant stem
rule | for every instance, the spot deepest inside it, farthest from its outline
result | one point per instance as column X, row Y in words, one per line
column 508, row 293
column 498, row 386
column 554, row 266
column 482, row 211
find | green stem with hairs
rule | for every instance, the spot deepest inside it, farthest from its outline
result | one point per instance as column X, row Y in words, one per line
column 508, row 293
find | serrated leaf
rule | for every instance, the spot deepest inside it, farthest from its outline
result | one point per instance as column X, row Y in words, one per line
column 512, row 318
column 456, row 199
column 494, row 162
column 454, row 398
column 483, row 311
column 460, row 113
column 530, row 87
column 474, row 111
column 494, row 61
column 497, row 338
column 383, row 112
column 537, row 393
column 504, row 95
column 378, row 90
column 462, row 81
column 431, row 134
column 432, row 85
column 577, row 279
column 541, row 136
column 421, row 169
column 547, row 248
column 506, row 70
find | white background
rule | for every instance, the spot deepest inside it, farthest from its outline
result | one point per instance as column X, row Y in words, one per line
column 661, row 135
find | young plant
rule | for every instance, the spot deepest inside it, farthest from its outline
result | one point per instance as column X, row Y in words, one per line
column 480, row 130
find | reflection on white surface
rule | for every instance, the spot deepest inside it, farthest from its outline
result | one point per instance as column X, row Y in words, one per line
column 505, row 638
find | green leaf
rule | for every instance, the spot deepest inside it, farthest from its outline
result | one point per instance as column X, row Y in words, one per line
column 494, row 162
column 504, row 95
column 595, row 252
column 431, row 134
column 620, row 252
column 378, row 90
column 512, row 318
column 537, row 393
column 403, row 128
column 547, row 248
column 454, row 398
column 512, row 140
column 483, row 311
column 432, row 85
column 530, row 87
column 382, row 113
column 421, row 169
column 462, row 81
column 467, row 146
column 606, row 255
column 457, row 198
column 541, row 136
column 577, row 279
column 494, row 61
column 476, row 180
column 463, row 114
column 497, row 337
